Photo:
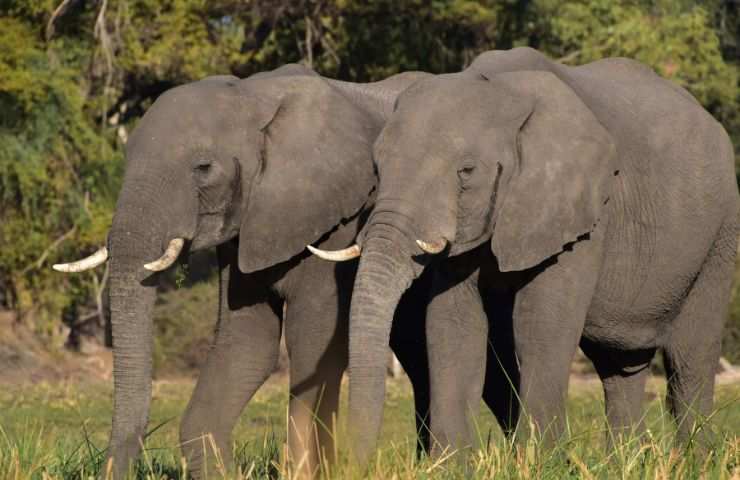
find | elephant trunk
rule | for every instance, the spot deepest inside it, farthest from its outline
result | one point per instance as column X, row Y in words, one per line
column 131, row 311
column 132, row 298
column 384, row 274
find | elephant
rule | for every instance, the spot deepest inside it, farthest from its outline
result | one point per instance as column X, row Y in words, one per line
column 558, row 205
column 258, row 168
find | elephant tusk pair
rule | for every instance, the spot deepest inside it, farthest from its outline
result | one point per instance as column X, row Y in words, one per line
column 98, row 258
column 354, row 251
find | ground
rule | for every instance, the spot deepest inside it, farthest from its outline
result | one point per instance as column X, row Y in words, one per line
column 58, row 429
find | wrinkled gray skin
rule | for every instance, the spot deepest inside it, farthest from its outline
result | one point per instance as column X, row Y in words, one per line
column 260, row 168
column 595, row 203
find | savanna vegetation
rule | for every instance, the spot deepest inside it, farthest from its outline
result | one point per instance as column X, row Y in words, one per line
column 75, row 77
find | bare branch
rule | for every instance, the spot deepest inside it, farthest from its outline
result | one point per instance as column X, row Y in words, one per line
column 101, row 32
column 571, row 56
column 58, row 13
column 309, row 41
column 40, row 261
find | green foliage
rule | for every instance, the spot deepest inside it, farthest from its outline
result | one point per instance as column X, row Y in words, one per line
column 57, row 172
column 379, row 38
column 176, row 40
column 67, row 101
column 731, row 337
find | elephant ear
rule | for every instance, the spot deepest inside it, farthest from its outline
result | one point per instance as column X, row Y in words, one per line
column 316, row 169
column 562, row 173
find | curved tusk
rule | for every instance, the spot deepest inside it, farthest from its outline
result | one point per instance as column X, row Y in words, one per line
column 97, row 258
column 337, row 255
column 168, row 257
column 432, row 247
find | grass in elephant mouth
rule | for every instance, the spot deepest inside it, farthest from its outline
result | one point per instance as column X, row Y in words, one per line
column 58, row 431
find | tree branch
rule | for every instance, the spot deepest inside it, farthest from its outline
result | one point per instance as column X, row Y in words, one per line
column 58, row 13
column 571, row 56
column 40, row 261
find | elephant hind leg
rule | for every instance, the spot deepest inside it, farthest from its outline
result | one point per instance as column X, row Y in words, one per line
column 623, row 376
column 316, row 336
column 313, row 407
column 693, row 349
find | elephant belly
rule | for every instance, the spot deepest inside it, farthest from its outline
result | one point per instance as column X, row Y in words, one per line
column 650, row 263
column 639, row 314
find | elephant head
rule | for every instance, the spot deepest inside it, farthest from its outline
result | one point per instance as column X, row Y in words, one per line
column 516, row 160
column 276, row 160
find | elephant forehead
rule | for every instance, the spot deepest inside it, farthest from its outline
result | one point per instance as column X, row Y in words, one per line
column 173, row 127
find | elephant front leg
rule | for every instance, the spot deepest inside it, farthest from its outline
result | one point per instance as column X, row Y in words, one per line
column 545, row 348
column 316, row 335
column 549, row 315
column 457, row 333
column 244, row 354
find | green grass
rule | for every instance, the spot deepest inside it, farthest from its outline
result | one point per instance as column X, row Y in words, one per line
column 60, row 430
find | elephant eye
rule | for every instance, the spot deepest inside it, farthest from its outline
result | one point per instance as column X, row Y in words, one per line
column 465, row 172
column 202, row 167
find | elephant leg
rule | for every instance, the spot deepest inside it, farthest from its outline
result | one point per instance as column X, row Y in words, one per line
column 545, row 354
column 693, row 350
column 408, row 342
column 243, row 355
column 623, row 376
column 457, row 333
column 549, row 315
column 502, row 373
column 317, row 339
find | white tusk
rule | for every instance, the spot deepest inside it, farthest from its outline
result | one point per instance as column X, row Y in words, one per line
column 97, row 258
column 168, row 257
column 432, row 247
column 336, row 255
